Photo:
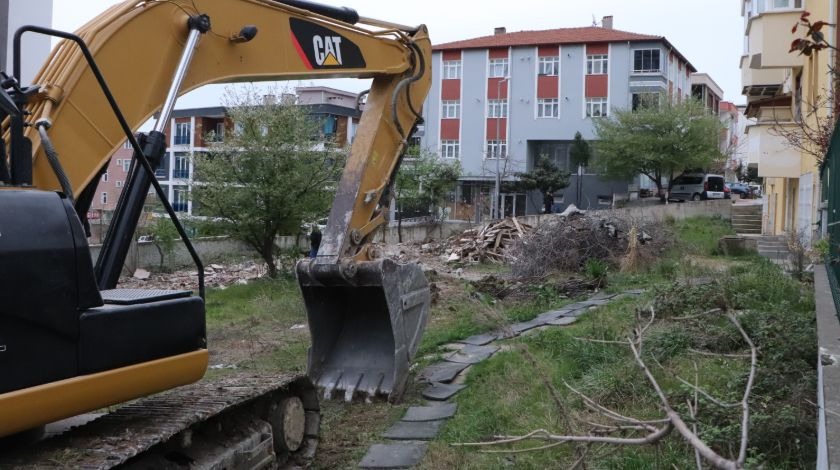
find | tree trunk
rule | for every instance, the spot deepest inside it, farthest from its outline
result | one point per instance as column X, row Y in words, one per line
column 399, row 223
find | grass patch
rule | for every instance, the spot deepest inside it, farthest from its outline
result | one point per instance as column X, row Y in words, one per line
column 507, row 394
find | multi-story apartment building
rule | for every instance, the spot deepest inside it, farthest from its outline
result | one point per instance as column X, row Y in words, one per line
column 500, row 101
column 194, row 130
column 782, row 89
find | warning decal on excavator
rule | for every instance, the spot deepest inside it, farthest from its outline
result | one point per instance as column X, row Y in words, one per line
column 322, row 48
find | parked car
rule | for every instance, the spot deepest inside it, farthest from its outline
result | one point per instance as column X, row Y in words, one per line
column 697, row 186
column 743, row 190
column 756, row 188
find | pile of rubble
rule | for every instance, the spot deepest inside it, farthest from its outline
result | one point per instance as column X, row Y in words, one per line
column 215, row 275
column 487, row 243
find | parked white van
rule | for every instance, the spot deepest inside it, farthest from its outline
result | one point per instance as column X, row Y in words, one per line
column 697, row 186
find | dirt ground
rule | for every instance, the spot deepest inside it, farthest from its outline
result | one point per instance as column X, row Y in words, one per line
column 266, row 340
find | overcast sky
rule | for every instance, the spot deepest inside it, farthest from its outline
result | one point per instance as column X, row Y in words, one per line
column 709, row 33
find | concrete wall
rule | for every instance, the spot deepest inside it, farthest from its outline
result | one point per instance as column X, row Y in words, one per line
column 147, row 256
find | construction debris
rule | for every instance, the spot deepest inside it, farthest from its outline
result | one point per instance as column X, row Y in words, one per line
column 215, row 275
column 487, row 243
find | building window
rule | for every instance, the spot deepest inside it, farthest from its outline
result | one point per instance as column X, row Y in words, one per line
column 182, row 165
column 548, row 108
column 646, row 60
column 497, row 108
column 596, row 107
column 104, row 198
column 105, row 177
column 219, row 132
column 180, row 199
column 496, row 148
column 497, row 68
column 451, row 69
column 126, row 164
column 649, row 100
column 450, row 148
column 182, row 133
column 127, row 144
column 549, row 66
column 118, row 184
column 450, row 109
column 596, row 64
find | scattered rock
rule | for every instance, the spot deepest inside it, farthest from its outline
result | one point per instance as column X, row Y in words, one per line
column 142, row 274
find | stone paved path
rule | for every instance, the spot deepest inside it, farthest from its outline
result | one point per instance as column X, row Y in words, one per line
column 407, row 438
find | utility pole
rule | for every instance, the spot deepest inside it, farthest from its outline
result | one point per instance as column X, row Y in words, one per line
column 497, row 150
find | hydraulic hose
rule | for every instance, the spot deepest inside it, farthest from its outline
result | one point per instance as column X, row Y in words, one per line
column 52, row 157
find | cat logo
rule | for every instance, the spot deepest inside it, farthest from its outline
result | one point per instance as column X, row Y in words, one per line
column 322, row 48
column 327, row 50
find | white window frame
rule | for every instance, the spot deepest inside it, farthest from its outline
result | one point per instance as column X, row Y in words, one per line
column 497, row 68
column 496, row 149
column 450, row 109
column 548, row 107
column 105, row 177
column 104, row 197
column 127, row 144
column 597, row 64
column 597, row 107
column 549, row 65
column 126, row 164
column 643, row 69
column 450, row 149
column 179, row 131
column 451, row 69
column 497, row 109
column 118, row 184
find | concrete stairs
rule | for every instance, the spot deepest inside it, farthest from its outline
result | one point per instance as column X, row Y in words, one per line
column 746, row 218
column 774, row 248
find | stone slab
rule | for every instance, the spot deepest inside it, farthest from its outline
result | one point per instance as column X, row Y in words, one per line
column 552, row 315
column 441, row 392
column 480, row 340
column 526, row 325
column 413, row 430
column 472, row 354
column 401, row 455
column 563, row 321
column 442, row 371
column 595, row 302
column 430, row 413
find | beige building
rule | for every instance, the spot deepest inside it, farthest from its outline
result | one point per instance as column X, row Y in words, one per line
column 781, row 87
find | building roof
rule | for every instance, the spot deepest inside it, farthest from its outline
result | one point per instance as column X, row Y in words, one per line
column 585, row 35
column 706, row 79
column 211, row 112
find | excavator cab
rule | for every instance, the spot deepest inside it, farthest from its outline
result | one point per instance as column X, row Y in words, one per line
column 366, row 324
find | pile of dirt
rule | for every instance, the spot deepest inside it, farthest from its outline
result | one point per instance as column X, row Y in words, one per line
column 566, row 243
column 487, row 243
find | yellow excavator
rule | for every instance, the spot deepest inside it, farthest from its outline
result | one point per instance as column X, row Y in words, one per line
column 72, row 341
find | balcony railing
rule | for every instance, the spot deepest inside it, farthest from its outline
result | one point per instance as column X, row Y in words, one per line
column 182, row 174
column 182, row 139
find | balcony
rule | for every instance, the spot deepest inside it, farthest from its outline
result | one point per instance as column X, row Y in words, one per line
column 761, row 82
column 776, row 159
column 181, row 174
column 181, row 139
column 770, row 38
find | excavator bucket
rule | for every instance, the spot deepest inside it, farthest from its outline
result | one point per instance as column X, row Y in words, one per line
column 366, row 320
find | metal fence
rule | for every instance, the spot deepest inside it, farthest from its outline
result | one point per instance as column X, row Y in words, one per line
column 830, row 180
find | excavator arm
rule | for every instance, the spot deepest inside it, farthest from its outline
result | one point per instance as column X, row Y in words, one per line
column 148, row 53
